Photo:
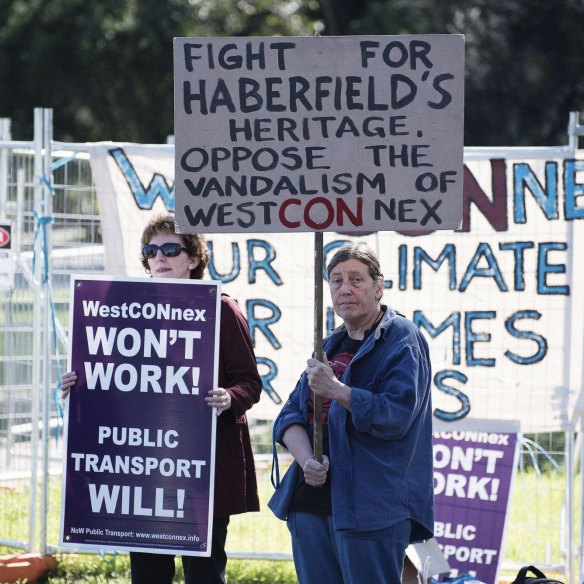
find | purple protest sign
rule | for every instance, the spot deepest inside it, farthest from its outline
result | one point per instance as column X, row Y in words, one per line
column 473, row 471
column 140, row 439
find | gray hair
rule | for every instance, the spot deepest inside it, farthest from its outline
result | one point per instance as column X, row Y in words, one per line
column 360, row 252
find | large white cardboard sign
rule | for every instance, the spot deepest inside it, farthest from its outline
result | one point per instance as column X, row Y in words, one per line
column 345, row 134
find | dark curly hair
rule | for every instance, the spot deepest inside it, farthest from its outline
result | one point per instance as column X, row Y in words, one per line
column 194, row 243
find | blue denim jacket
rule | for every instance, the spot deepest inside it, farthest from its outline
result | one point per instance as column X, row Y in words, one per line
column 380, row 451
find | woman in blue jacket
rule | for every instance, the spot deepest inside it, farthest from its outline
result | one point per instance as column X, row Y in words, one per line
column 352, row 515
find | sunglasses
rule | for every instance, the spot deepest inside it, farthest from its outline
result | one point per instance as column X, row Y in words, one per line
column 170, row 250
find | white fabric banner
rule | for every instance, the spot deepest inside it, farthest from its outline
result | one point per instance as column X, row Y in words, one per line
column 501, row 301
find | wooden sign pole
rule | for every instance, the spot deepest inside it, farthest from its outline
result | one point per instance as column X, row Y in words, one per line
column 318, row 351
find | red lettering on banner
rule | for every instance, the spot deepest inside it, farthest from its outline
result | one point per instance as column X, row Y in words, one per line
column 281, row 213
column 321, row 201
column 336, row 211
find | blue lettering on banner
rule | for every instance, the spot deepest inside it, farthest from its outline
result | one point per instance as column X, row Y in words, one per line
column 454, row 320
column 263, row 264
column 464, row 409
column 573, row 190
column 236, row 263
column 263, row 324
column 518, row 247
column 420, row 320
column 489, row 268
column 492, row 271
column 541, row 342
column 547, row 198
column 268, row 377
column 543, row 268
column 254, row 263
column 144, row 197
column 473, row 337
column 449, row 252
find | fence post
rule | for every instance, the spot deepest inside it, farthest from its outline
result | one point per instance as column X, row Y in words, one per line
column 7, row 377
column 569, row 457
column 4, row 135
column 47, row 308
column 37, row 334
column 579, row 450
column 41, row 339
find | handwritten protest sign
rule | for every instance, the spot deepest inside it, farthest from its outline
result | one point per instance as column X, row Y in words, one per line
column 140, row 439
column 473, row 471
column 319, row 134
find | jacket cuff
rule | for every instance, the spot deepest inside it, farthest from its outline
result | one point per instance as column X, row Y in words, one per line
column 284, row 424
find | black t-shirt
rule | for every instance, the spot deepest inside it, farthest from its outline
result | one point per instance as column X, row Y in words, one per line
column 318, row 499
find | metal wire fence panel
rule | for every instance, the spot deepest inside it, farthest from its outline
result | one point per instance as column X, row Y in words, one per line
column 15, row 411
column 260, row 535
column 16, row 341
column 538, row 521
column 74, row 247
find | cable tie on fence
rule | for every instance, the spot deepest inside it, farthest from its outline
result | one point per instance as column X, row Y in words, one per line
column 103, row 555
column 63, row 161
column 41, row 229
column 59, row 408
column 47, row 183
column 531, row 446
column 54, row 166
column 56, row 398
column 275, row 467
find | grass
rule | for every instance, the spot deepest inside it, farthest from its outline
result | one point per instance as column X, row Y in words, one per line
column 260, row 532
column 75, row 569
column 544, row 507
column 536, row 523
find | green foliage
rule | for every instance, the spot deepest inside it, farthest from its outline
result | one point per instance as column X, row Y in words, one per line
column 260, row 572
column 73, row 568
column 87, row 569
column 107, row 72
column 261, row 436
column 524, row 59
column 543, row 452
column 537, row 517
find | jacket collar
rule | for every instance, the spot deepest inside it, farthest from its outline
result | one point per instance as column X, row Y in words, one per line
column 383, row 325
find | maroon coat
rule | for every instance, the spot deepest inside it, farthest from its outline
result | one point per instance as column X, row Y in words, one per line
column 236, row 488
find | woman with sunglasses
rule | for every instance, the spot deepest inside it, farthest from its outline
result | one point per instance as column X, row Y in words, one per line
column 166, row 254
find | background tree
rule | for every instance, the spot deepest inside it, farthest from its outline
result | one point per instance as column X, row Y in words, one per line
column 106, row 67
column 524, row 58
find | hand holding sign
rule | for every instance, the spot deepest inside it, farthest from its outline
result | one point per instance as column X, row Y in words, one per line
column 219, row 398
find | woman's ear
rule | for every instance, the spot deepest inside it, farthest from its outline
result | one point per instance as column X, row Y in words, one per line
column 195, row 261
